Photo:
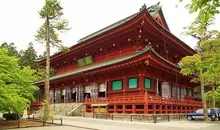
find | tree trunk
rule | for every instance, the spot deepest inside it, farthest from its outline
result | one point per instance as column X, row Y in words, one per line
column 47, row 76
column 203, row 97
column 213, row 95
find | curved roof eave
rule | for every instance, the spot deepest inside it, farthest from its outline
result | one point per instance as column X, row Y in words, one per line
column 148, row 48
column 168, row 31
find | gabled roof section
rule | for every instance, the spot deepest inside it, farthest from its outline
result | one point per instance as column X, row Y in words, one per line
column 171, row 34
column 153, row 10
column 158, row 14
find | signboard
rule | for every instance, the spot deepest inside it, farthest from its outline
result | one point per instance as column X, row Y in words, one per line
column 85, row 61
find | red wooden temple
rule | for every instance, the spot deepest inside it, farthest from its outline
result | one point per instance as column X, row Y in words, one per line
column 127, row 67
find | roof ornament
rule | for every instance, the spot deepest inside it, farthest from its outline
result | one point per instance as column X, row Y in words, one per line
column 148, row 47
column 143, row 8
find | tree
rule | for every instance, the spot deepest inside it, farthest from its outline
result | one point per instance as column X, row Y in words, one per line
column 41, row 72
column 198, row 63
column 16, row 89
column 12, row 50
column 206, row 9
column 28, row 57
column 211, row 50
column 217, row 97
column 48, row 34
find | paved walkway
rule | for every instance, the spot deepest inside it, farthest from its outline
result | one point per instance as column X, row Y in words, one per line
column 100, row 124
column 51, row 128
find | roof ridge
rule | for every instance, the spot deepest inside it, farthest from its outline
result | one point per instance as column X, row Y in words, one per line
column 156, row 8
column 107, row 28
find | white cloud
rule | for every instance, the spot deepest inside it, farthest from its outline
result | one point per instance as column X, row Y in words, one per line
column 20, row 19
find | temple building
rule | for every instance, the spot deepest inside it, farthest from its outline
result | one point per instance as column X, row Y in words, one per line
column 130, row 66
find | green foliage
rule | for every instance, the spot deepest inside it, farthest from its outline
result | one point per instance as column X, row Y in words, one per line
column 16, row 89
column 41, row 72
column 12, row 50
column 28, row 57
column 52, row 12
column 205, row 62
column 206, row 9
column 190, row 64
column 43, row 56
column 208, row 96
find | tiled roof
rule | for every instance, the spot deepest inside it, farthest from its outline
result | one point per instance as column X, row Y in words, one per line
column 93, row 66
column 109, row 62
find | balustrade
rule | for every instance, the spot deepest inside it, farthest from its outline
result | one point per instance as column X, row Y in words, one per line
column 142, row 99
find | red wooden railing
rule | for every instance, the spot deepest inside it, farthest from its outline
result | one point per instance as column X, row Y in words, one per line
column 141, row 99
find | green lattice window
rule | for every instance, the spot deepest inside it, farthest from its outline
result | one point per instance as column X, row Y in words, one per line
column 117, row 85
column 147, row 83
column 132, row 83
column 190, row 92
column 185, row 91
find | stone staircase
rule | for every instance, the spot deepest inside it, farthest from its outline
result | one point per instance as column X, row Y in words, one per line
column 67, row 109
column 77, row 110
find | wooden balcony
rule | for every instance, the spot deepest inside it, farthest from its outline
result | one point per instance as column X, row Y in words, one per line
column 142, row 99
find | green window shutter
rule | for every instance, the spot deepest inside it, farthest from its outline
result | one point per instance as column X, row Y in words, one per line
column 91, row 59
column 190, row 92
column 117, row 85
column 133, row 83
column 184, row 91
column 147, row 83
column 84, row 61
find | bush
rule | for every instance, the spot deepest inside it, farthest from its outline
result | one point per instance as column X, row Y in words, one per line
column 12, row 116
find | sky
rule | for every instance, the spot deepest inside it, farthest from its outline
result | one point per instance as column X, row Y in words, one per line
column 20, row 19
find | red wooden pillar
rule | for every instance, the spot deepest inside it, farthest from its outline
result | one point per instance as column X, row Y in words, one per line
column 123, row 108
column 154, row 108
column 166, row 109
column 141, row 84
column 109, row 87
column 181, row 109
column 133, row 108
column 146, row 108
column 92, row 110
column 176, row 108
column 145, row 102
column 171, row 108
column 125, row 85
column 115, row 108
column 160, row 109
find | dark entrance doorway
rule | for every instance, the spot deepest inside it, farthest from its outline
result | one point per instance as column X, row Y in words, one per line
column 87, row 95
column 73, row 97
column 101, row 94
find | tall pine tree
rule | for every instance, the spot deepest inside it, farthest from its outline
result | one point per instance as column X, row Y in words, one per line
column 48, row 34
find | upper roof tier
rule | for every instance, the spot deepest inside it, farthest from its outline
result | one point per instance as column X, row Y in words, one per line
column 153, row 11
